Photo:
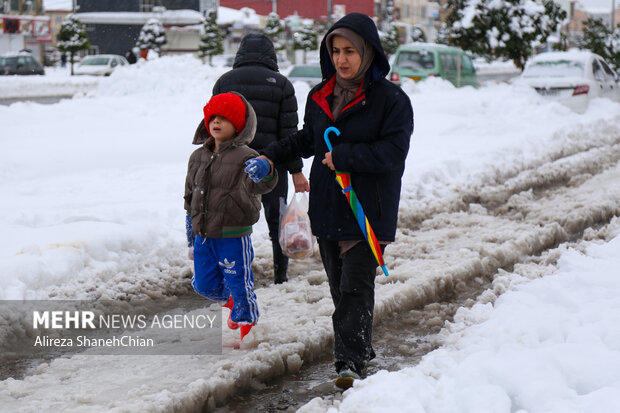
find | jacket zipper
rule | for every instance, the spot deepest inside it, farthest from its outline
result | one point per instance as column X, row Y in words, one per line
column 208, row 184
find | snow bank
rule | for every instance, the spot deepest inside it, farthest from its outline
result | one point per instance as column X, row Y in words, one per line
column 550, row 345
column 55, row 82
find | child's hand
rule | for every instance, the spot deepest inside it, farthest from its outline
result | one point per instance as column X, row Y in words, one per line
column 190, row 253
column 257, row 168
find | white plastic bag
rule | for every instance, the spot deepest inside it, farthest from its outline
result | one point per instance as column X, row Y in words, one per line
column 296, row 239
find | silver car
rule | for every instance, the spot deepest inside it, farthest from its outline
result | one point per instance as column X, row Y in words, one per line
column 100, row 65
column 572, row 78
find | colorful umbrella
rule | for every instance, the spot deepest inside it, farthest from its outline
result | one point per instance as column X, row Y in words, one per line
column 344, row 179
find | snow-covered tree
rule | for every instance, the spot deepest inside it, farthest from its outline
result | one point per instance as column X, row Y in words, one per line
column 388, row 15
column 152, row 36
column 599, row 39
column 211, row 42
column 389, row 40
column 306, row 39
column 417, row 35
column 562, row 44
column 502, row 28
column 594, row 38
column 72, row 37
column 613, row 45
column 273, row 29
column 443, row 34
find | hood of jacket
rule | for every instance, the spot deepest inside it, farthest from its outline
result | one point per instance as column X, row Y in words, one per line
column 201, row 136
column 365, row 27
column 256, row 48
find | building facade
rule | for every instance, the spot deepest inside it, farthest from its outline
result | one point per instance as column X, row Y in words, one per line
column 416, row 13
column 147, row 6
column 56, row 19
column 113, row 26
column 23, row 26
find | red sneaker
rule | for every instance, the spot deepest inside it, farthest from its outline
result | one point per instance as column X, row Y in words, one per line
column 229, row 303
column 245, row 329
column 231, row 324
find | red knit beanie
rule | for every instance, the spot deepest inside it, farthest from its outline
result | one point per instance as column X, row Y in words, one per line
column 227, row 105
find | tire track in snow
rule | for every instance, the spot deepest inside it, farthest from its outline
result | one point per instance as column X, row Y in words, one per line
column 498, row 221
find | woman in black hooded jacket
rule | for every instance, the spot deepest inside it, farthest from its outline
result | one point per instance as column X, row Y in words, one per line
column 375, row 119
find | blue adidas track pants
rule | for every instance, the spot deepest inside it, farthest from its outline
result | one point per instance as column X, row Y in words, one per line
column 223, row 267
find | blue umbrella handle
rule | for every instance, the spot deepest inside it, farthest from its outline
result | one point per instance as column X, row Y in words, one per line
column 326, row 136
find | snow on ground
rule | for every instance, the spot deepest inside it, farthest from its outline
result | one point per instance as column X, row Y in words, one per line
column 55, row 82
column 92, row 209
column 550, row 345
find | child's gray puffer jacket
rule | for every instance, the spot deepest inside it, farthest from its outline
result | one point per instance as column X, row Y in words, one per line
column 220, row 197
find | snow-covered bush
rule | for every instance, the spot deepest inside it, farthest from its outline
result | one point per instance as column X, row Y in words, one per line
column 417, row 35
column 273, row 29
column 152, row 36
column 306, row 39
column 389, row 40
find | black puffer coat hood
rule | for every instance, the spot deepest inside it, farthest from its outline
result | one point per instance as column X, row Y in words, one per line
column 256, row 48
column 365, row 27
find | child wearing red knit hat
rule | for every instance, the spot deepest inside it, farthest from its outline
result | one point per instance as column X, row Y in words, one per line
column 222, row 202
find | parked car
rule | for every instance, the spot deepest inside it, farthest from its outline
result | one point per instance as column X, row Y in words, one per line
column 100, row 65
column 311, row 74
column 572, row 78
column 223, row 60
column 419, row 61
column 21, row 64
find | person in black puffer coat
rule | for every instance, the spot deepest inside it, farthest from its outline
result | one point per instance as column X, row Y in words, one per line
column 255, row 75
column 375, row 119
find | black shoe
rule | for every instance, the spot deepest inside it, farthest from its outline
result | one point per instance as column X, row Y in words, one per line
column 280, row 278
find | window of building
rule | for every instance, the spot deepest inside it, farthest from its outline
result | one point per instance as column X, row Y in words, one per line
column 11, row 26
column 147, row 5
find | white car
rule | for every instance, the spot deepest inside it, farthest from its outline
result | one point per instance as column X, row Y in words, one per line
column 100, row 65
column 571, row 78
